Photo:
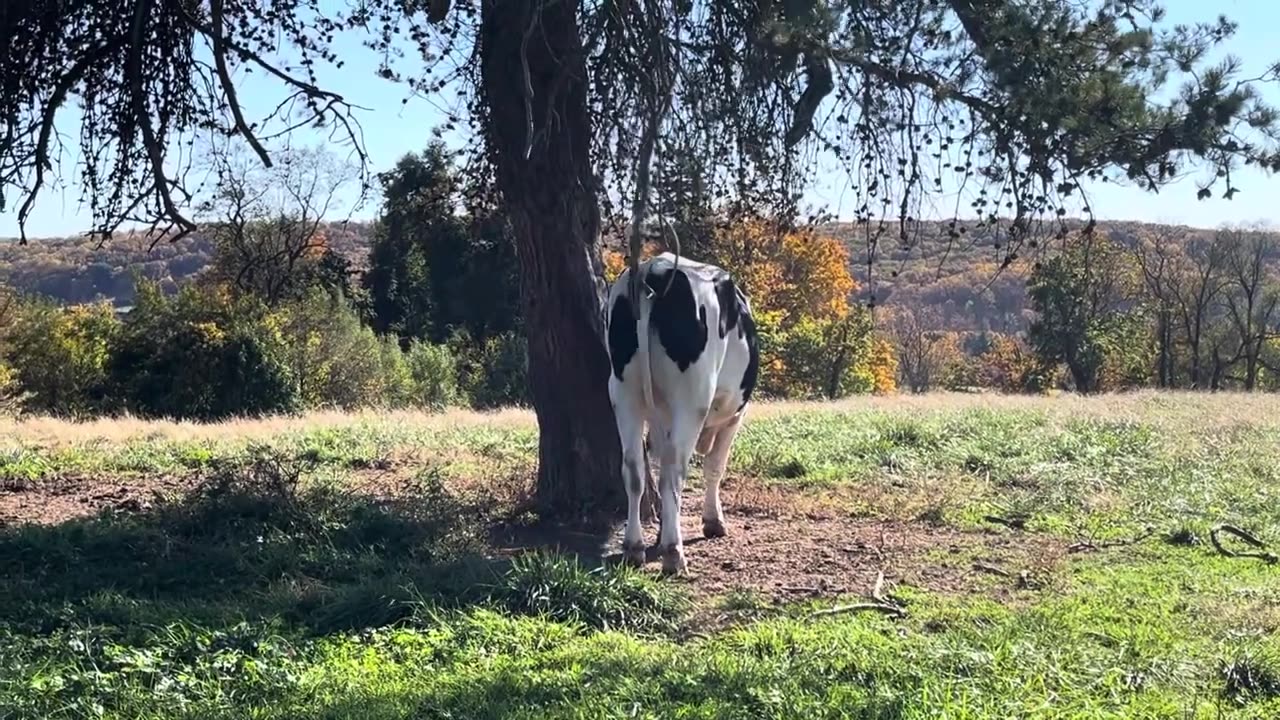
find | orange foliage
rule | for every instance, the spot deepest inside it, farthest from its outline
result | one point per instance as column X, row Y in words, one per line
column 615, row 261
column 1007, row 364
column 316, row 244
column 614, row 264
column 799, row 274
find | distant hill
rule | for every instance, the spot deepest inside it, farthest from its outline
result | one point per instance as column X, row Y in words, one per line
column 957, row 280
column 76, row 270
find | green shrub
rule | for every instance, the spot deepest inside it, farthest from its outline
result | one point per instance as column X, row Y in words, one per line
column 493, row 372
column 820, row 358
column 434, row 374
column 58, row 357
column 201, row 356
column 336, row 360
column 11, row 395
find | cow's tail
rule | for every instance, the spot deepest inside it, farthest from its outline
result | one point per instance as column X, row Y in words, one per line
column 645, row 304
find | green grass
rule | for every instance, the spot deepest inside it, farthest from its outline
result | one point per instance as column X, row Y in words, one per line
column 273, row 591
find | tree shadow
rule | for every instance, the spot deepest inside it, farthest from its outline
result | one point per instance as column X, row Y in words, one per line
column 240, row 547
column 598, row 545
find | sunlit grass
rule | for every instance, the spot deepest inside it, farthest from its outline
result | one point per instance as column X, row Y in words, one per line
column 282, row 596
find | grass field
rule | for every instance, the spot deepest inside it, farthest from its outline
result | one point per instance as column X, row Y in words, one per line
column 1051, row 558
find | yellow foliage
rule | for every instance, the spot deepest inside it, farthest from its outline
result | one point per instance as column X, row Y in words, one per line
column 883, row 366
column 614, row 264
column 210, row 332
column 10, row 392
column 615, row 261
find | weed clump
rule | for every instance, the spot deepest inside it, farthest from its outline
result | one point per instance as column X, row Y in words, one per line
column 1250, row 675
column 560, row 588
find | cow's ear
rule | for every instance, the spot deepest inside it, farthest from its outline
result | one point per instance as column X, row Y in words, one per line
column 727, row 298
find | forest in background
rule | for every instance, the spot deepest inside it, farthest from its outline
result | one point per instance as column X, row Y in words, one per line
column 959, row 284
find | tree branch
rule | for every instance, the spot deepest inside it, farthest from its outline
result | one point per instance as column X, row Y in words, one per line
column 149, row 140
column 224, row 77
column 59, row 96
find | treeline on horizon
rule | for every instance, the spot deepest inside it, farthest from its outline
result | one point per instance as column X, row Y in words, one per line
column 286, row 314
column 271, row 309
column 960, row 283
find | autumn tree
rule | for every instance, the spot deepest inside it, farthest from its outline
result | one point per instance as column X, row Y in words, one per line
column 1184, row 278
column 1008, row 364
column 924, row 351
column 1016, row 101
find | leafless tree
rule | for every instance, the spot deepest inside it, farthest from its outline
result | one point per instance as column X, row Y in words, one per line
column 923, row 349
column 266, row 223
column 1251, row 295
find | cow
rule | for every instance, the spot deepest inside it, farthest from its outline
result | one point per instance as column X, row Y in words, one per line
column 685, row 359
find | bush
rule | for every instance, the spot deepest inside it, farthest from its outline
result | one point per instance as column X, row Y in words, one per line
column 11, row 395
column 338, row 362
column 493, row 372
column 201, row 356
column 58, row 356
column 821, row 358
column 434, row 375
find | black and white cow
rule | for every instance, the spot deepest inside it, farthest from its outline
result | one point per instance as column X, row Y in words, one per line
column 685, row 359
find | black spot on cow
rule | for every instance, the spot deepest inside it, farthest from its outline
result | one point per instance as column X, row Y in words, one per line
column 747, row 330
column 681, row 328
column 727, row 296
column 623, row 339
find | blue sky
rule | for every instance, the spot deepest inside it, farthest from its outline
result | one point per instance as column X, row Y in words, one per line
column 392, row 128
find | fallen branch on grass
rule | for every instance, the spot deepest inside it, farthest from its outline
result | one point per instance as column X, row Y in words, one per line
column 1013, row 523
column 890, row 610
column 1089, row 545
column 881, row 604
column 1247, row 537
column 992, row 569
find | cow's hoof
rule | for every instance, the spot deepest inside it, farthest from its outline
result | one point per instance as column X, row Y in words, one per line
column 713, row 529
column 633, row 556
column 673, row 562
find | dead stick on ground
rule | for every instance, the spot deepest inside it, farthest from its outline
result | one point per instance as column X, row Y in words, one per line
column 881, row 605
column 877, row 590
column 992, row 569
column 1087, row 545
column 1013, row 523
column 1248, row 538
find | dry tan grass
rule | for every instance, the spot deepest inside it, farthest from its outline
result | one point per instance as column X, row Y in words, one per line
column 51, row 432
column 1184, row 410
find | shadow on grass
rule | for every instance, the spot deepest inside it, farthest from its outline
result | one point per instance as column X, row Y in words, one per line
column 249, row 544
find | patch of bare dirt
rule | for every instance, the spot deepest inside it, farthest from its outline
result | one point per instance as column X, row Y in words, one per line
column 785, row 546
column 55, row 500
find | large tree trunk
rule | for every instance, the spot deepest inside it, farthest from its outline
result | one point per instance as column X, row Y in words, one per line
column 551, row 198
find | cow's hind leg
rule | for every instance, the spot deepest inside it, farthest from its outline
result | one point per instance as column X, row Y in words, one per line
column 675, row 470
column 712, row 473
column 630, row 419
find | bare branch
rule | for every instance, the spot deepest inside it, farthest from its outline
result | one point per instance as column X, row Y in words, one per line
column 152, row 144
column 220, row 61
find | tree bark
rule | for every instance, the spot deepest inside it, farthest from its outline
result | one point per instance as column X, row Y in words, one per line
column 534, row 82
